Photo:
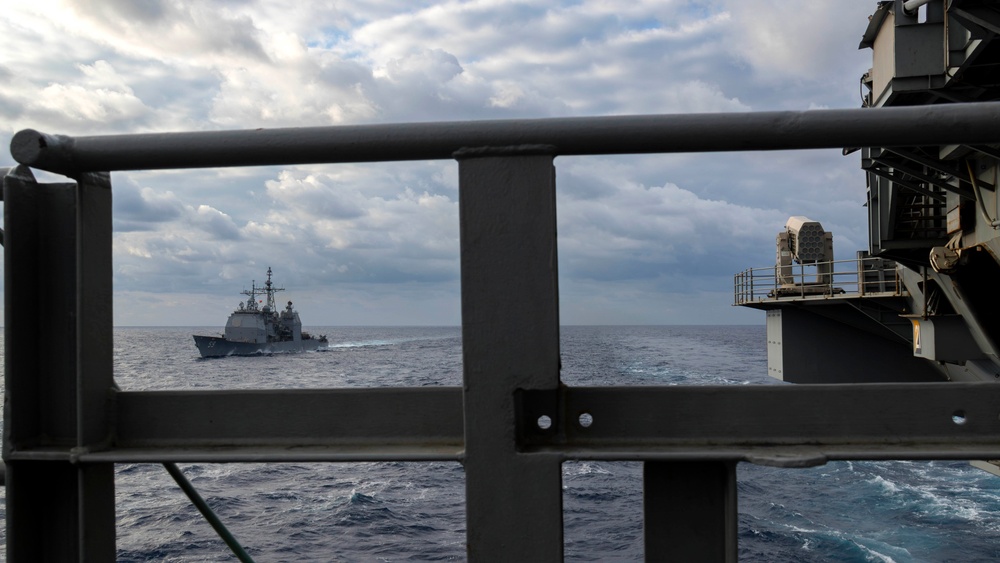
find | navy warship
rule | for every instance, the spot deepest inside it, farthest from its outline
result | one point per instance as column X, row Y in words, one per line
column 254, row 330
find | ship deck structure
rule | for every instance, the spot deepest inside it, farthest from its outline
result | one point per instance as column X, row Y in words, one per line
column 927, row 284
column 921, row 303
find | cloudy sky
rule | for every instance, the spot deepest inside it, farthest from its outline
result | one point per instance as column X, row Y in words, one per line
column 643, row 240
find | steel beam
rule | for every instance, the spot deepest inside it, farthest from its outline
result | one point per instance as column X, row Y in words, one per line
column 909, row 169
column 690, row 511
column 290, row 417
column 775, row 424
column 57, row 280
column 94, row 312
column 782, row 425
column 901, row 182
column 943, row 124
column 415, row 424
column 510, row 341
column 938, row 166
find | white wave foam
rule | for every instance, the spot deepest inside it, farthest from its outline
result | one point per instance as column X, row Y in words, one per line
column 361, row 344
column 584, row 468
column 872, row 555
column 884, row 484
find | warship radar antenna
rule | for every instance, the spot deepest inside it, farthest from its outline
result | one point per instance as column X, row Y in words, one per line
column 270, row 290
column 251, row 295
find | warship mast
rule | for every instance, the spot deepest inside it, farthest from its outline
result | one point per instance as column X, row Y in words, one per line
column 268, row 291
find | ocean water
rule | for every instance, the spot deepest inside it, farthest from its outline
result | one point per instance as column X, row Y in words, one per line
column 843, row 511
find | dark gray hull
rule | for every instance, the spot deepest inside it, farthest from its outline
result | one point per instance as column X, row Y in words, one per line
column 216, row 347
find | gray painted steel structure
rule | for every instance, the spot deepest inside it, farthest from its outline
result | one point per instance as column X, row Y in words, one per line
column 837, row 128
column 66, row 424
column 932, row 217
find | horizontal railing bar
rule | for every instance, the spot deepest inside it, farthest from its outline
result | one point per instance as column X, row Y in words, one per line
column 313, row 454
column 353, row 418
column 779, row 456
column 786, row 455
column 762, row 284
column 781, row 424
column 775, row 414
column 974, row 123
column 859, row 421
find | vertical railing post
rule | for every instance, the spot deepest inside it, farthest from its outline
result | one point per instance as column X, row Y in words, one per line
column 690, row 511
column 58, row 366
column 861, row 276
column 510, row 341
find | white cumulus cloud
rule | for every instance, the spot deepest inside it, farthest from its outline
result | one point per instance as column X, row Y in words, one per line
column 632, row 229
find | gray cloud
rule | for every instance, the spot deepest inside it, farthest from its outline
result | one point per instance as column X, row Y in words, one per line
column 171, row 28
column 142, row 208
column 635, row 232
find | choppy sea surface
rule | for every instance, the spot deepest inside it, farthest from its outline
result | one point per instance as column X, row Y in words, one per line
column 843, row 511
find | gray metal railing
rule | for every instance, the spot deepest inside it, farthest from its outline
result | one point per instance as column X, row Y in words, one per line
column 868, row 276
column 66, row 424
column 638, row 134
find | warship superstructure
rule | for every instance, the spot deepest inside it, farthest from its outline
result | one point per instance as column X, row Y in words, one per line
column 255, row 329
column 921, row 303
